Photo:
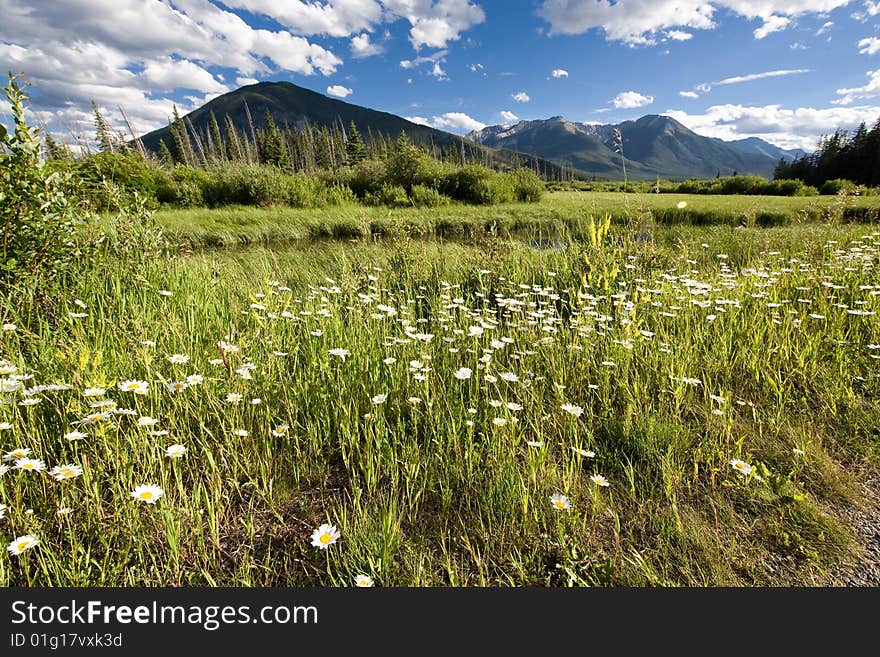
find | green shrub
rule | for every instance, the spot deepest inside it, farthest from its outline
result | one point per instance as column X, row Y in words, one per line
column 365, row 177
column 246, row 185
column 394, row 196
column 477, row 185
column 838, row 185
column 406, row 164
column 304, row 191
column 423, row 196
column 38, row 225
column 336, row 195
column 104, row 180
column 789, row 188
column 753, row 185
column 527, row 186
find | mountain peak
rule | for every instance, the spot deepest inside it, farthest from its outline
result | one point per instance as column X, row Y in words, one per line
column 295, row 106
column 654, row 145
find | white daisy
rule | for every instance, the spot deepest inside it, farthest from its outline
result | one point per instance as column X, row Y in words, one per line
column 147, row 493
column 325, row 536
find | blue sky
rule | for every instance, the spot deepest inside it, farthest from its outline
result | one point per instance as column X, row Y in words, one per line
column 784, row 71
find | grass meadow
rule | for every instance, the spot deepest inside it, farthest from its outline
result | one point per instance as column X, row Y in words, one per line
column 567, row 393
column 559, row 213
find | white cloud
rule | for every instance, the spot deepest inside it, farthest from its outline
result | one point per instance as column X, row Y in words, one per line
column 475, row 68
column 760, row 76
column 869, row 46
column 521, row 97
column 436, row 60
column 432, row 24
column 825, row 27
column 788, row 128
column 688, row 94
column 244, row 81
column 798, row 45
column 457, row 121
column 559, row 73
column 361, row 47
column 706, row 87
column 339, row 91
column 869, row 90
column 167, row 75
column 509, row 117
column 631, row 99
column 138, row 53
column 132, row 53
column 771, row 24
column 435, row 24
column 679, row 35
column 452, row 121
column 333, row 17
column 638, row 22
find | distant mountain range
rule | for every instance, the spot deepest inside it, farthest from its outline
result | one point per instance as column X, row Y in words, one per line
column 653, row 145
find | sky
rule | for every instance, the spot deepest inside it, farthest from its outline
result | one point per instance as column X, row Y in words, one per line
column 787, row 72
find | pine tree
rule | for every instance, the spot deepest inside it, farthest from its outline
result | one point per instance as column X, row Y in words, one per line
column 165, row 156
column 270, row 144
column 355, row 149
column 54, row 150
column 181, row 147
column 103, row 134
column 323, row 157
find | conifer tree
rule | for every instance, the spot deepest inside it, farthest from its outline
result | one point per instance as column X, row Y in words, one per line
column 181, row 147
column 165, row 156
column 270, row 144
column 355, row 149
column 103, row 134
column 54, row 150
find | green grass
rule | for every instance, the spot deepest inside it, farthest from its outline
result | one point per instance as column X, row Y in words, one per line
column 430, row 492
column 559, row 213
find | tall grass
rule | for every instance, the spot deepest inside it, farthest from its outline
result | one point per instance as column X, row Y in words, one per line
column 558, row 214
column 685, row 351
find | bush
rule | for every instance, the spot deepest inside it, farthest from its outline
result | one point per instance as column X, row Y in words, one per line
column 527, row 186
column 406, row 164
column 789, row 188
column 754, row 185
column 426, row 197
column 336, row 195
column 304, row 191
column 394, row 196
column 38, row 238
column 838, row 185
column 478, row 185
column 246, row 185
column 104, row 180
column 365, row 177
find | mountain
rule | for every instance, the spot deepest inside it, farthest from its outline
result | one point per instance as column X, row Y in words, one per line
column 296, row 106
column 761, row 147
column 579, row 145
column 653, row 146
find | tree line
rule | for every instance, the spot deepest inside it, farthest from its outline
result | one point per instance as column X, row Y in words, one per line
column 848, row 156
column 304, row 148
